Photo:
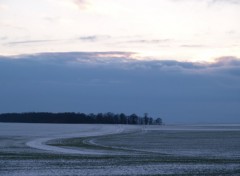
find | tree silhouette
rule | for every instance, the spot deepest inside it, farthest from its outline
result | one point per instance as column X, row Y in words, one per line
column 77, row 118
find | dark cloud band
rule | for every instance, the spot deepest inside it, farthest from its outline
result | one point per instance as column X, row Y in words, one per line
column 114, row 81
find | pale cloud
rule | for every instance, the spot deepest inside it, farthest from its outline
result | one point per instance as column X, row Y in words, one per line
column 30, row 42
column 3, row 38
column 212, row 1
column 226, row 1
column 3, row 7
column 94, row 38
column 150, row 41
column 72, row 4
column 82, row 4
column 193, row 46
column 52, row 19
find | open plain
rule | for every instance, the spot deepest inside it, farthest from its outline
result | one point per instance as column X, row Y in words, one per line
column 56, row 149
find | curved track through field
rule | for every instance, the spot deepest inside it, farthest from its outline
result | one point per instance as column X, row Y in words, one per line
column 41, row 143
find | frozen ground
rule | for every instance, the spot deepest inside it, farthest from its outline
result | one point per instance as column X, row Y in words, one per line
column 56, row 149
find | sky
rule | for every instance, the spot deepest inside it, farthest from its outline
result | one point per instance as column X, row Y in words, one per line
column 188, row 30
column 174, row 59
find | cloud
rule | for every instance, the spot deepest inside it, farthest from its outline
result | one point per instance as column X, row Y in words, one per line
column 127, row 60
column 231, row 32
column 227, row 61
column 147, row 41
column 30, row 42
column 94, row 38
column 52, row 19
column 3, row 38
column 3, row 7
column 234, row 2
column 90, row 38
column 81, row 4
column 150, row 41
column 114, row 81
column 226, row 1
column 193, row 46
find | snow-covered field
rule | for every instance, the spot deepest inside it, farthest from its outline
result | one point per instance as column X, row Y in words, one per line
column 57, row 149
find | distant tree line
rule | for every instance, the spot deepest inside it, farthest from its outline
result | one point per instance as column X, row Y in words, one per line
column 79, row 118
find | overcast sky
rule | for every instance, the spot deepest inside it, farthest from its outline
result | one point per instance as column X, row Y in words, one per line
column 193, row 30
column 175, row 59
